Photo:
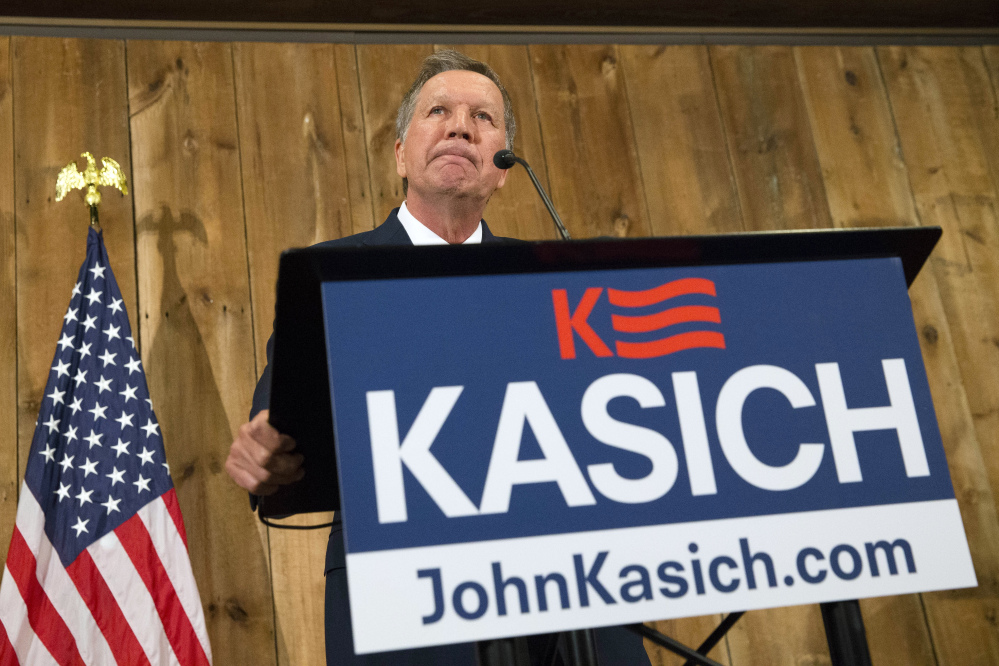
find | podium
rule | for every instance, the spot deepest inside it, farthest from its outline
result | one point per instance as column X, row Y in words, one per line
column 364, row 318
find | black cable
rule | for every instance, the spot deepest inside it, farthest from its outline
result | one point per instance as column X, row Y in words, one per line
column 294, row 527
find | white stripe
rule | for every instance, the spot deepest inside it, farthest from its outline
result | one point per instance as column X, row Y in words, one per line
column 133, row 598
column 30, row 519
column 173, row 554
column 59, row 587
column 14, row 618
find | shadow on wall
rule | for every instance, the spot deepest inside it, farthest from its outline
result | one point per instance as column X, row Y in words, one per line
column 226, row 552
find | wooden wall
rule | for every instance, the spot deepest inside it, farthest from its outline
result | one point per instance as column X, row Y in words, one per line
column 236, row 151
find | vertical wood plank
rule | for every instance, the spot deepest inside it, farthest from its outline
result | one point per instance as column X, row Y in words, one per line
column 770, row 142
column 354, row 142
column 957, row 620
column 780, row 187
column 866, row 182
column 681, row 141
column 593, row 165
column 986, row 106
column 516, row 210
column 385, row 73
column 790, row 635
column 295, row 156
column 69, row 97
column 943, row 103
column 294, row 160
column 991, row 53
column 867, row 185
column 196, row 322
column 8, row 305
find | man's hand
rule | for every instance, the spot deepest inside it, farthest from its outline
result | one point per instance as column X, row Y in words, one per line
column 260, row 459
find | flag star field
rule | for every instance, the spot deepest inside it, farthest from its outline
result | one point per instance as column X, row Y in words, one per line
column 98, row 432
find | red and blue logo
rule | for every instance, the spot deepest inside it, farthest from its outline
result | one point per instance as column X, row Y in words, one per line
column 576, row 321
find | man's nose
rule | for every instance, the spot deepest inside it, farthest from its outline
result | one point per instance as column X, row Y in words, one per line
column 461, row 125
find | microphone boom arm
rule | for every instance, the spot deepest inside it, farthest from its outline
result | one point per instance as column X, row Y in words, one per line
column 504, row 159
column 544, row 197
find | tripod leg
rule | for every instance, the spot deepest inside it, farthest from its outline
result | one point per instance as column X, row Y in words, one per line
column 845, row 634
column 581, row 648
column 504, row 652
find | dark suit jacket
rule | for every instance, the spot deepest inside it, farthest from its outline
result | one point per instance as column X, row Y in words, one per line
column 616, row 646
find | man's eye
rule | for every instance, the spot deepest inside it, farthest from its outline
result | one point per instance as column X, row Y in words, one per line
column 437, row 109
column 484, row 116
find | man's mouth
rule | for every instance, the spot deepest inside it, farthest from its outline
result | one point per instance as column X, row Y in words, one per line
column 453, row 152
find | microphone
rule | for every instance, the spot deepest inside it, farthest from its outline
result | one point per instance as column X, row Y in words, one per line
column 504, row 159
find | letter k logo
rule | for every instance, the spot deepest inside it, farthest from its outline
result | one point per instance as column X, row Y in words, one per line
column 567, row 322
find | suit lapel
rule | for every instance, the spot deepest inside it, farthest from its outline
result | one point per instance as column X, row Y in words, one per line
column 389, row 232
column 487, row 236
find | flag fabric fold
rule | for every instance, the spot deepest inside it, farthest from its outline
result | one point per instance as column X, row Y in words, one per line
column 98, row 570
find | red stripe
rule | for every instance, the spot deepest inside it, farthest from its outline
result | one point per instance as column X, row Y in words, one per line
column 673, row 343
column 170, row 499
column 42, row 615
column 7, row 655
column 135, row 539
column 103, row 606
column 637, row 299
column 654, row 322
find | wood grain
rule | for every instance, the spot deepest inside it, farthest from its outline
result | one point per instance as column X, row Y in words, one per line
column 294, row 153
column 354, row 140
column 516, row 210
column 298, row 559
column 8, row 305
column 385, row 74
column 943, row 104
column 770, row 143
column 596, row 182
column 691, row 631
column 991, row 54
column 792, row 635
column 986, row 103
column 293, row 159
column 866, row 185
column 960, row 621
column 196, row 322
column 69, row 97
column 681, row 141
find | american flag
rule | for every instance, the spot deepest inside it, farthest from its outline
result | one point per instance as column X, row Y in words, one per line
column 97, row 571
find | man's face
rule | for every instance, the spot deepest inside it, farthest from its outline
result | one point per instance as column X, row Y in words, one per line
column 456, row 129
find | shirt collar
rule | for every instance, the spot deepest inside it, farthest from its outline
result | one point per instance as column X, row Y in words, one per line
column 421, row 235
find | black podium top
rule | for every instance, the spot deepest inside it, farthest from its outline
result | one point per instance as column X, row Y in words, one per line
column 300, row 398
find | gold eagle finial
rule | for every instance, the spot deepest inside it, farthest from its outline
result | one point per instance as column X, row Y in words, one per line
column 70, row 178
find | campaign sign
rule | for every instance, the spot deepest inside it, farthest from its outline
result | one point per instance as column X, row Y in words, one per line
column 540, row 452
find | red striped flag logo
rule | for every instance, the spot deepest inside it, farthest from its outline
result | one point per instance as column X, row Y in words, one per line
column 575, row 323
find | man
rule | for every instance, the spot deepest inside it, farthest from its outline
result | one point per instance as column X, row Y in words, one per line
column 452, row 121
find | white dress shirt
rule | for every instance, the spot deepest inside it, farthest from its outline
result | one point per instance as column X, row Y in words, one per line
column 421, row 235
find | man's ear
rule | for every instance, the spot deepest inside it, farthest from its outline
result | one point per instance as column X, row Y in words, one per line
column 502, row 178
column 400, row 162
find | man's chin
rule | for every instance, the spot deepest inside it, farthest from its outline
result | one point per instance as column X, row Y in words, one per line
column 454, row 187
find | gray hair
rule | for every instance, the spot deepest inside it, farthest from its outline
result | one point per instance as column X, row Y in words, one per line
column 446, row 61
